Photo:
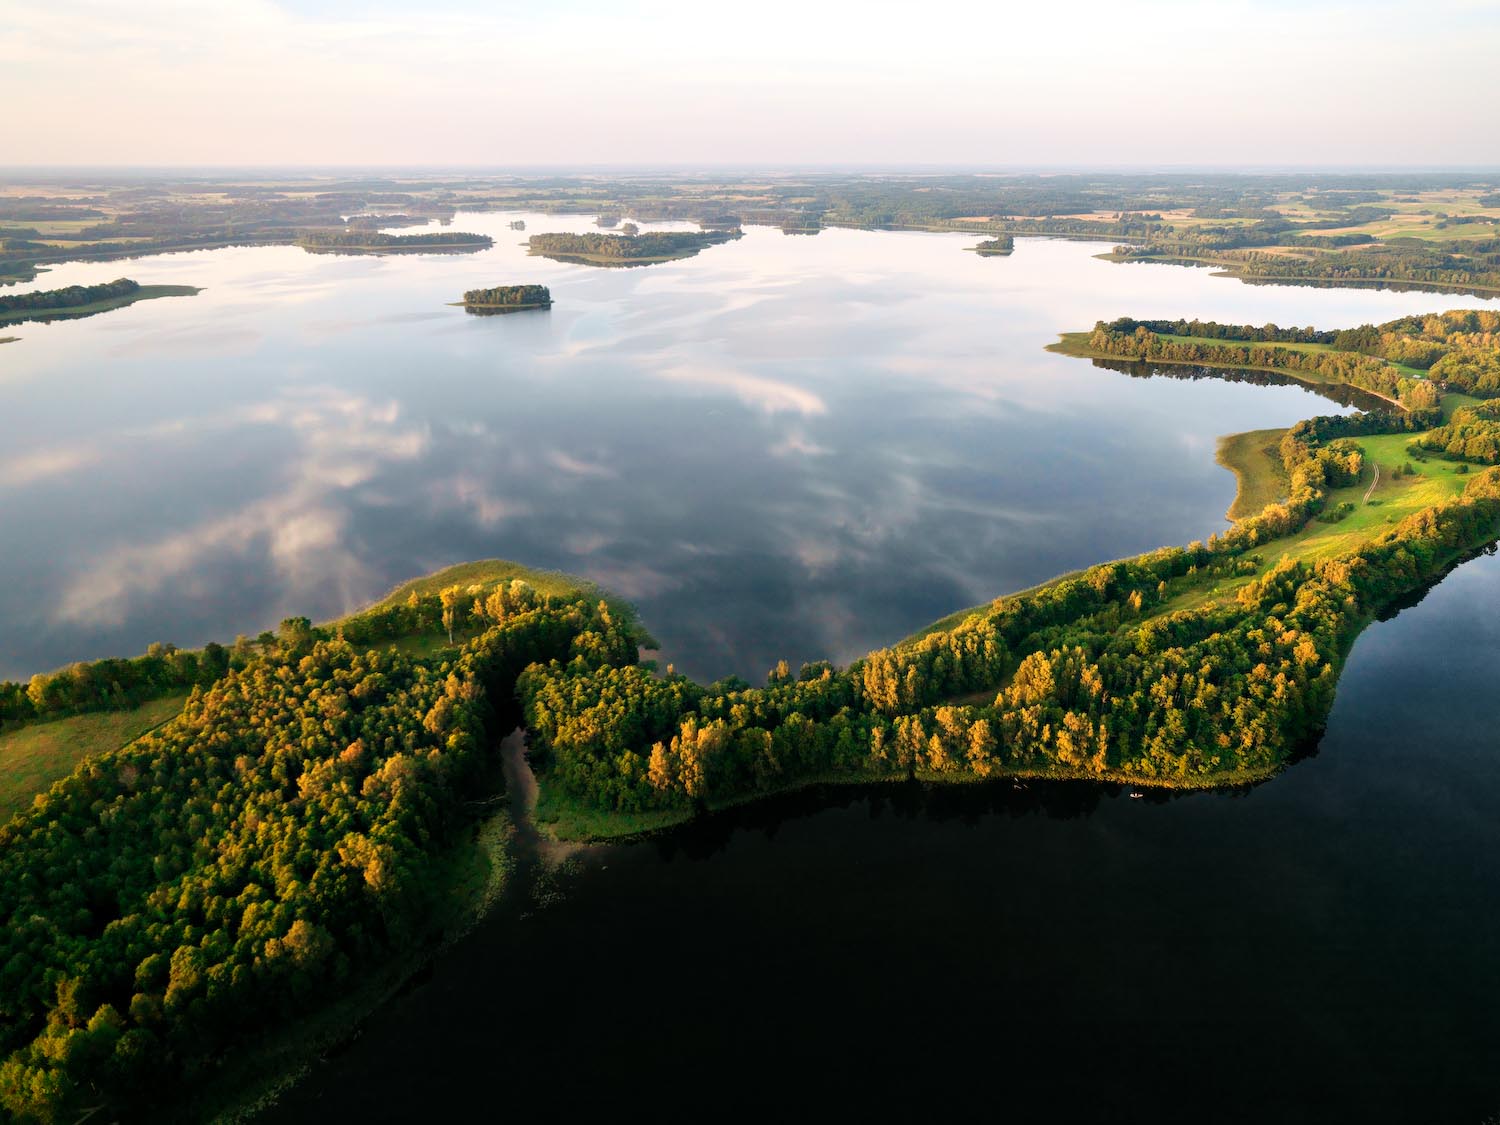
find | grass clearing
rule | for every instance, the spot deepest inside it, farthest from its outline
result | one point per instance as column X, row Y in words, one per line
column 1254, row 457
column 1393, row 499
column 486, row 572
column 34, row 756
column 563, row 818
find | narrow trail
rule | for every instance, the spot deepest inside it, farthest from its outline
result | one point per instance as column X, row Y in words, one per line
column 532, row 847
column 1370, row 491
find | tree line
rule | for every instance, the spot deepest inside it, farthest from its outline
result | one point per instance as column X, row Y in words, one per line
column 1094, row 676
column 1472, row 434
column 68, row 297
column 1355, row 369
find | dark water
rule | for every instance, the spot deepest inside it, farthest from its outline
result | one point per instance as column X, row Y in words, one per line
column 784, row 447
column 1323, row 947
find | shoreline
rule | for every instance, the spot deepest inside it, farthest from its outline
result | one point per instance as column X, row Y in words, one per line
column 94, row 308
column 1068, row 348
column 1237, row 453
column 1226, row 269
column 500, row 308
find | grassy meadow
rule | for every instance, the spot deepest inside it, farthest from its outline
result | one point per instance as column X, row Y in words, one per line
column 34, row 756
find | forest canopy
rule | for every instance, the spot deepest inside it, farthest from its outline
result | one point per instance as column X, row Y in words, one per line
column 510, row 296
column 248, row 859
column 364, row 241
column 598, row 248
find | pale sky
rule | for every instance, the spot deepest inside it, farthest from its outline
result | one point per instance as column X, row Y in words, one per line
column 1161, row 82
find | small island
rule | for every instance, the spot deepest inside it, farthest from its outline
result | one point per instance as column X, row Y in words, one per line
column 373, row 242
column 506, row 299
column 998, row 246
column 75, row 301
column 627, row 249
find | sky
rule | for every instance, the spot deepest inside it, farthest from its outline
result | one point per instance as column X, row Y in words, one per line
column 574, row 82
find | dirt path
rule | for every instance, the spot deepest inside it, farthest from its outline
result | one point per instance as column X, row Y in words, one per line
column 532, row 846
column 1371, row 490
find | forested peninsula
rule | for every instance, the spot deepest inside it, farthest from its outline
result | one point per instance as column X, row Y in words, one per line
column 1464, row 266
column 1410, row 361
column 75, row 301
column 598, row 249
column 307, row 817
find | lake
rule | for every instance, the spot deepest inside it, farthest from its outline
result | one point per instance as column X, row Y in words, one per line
column 788, row 447
column 798, row 447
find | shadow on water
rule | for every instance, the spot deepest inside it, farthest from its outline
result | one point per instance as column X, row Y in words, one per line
column 1340, row 393
column 473, row 310
column 915, row 801
column 1414, row 598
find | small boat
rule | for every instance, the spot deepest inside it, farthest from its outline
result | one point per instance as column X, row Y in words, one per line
column 1136, row 795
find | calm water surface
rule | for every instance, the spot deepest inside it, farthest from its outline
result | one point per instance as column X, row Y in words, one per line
column 798, row 447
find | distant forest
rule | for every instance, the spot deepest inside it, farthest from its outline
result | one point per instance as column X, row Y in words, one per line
column 362, row 240
column 628, row 247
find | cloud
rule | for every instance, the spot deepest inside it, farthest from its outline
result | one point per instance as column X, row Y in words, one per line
column 469, row 492
column 28, row 468
column 758, row 391
column 800, row 445
column 345, row 441
column 579, row 468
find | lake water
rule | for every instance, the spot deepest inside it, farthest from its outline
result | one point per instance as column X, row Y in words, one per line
column 787, row 447
column 798, row 447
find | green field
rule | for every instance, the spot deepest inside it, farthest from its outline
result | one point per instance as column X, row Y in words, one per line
column 33, row 757
column 1392, row 499
column 144, row 293
column 485, row 572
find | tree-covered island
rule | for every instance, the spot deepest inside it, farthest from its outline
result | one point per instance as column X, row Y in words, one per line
column 373, row 242
column 507, row 298
column 598, row 249
column 1000, row 245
